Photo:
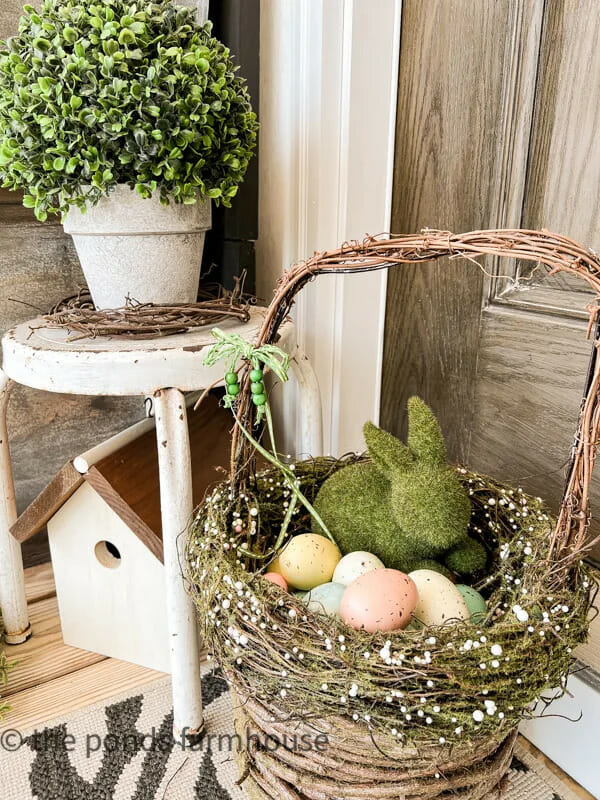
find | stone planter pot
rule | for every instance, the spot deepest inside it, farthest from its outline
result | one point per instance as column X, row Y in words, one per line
column 136, row 248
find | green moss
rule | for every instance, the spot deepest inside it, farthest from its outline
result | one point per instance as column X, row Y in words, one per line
column 467, row 557
column 407, row 506
column 4, row 666
column 358, row 524
column 425, row 437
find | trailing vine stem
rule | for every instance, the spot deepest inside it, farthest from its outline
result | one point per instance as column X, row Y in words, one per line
column 232, row 348
column 291, row 481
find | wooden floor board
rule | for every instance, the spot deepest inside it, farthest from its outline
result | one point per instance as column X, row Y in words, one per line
column 39, row 582
column 45, row 656
column 51, row 678
column 39, row 705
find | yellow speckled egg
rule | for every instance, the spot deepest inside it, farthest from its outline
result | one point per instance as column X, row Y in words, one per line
column 275, row 566
column 308, row 560
column 439, row 599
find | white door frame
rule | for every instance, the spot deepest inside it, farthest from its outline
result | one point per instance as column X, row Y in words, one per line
column 329, row 80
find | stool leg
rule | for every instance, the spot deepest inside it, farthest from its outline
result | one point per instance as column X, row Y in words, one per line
column 309, row 404
column 13, row 602
column 176, row 502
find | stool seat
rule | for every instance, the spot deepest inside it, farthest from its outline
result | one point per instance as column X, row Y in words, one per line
column 51, row 359
column 57, row 360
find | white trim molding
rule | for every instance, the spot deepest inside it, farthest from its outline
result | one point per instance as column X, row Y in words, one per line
column 568, row 734
column 329, row 80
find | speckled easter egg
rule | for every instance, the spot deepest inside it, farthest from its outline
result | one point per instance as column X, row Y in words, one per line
column 380, row 600
column 475, row 602
column 325, row 599
column 277, row 579
column 308, row 560
column 439, row 599
column 355, row 564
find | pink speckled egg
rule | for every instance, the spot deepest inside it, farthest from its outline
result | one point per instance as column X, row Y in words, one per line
column 277, row 579
column 380, row 600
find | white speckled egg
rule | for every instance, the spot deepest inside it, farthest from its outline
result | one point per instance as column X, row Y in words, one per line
column 439, row 599
column 353, row 565
column 308, row 560
column 325, row 599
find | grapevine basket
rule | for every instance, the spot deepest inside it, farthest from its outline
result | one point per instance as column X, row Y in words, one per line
column 415, row 714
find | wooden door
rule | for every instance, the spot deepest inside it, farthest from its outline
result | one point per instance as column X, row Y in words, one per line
column 500, row 131
column 498, row 112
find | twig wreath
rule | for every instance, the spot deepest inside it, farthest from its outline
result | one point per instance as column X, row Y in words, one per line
column 79, row 316
column 420, row 713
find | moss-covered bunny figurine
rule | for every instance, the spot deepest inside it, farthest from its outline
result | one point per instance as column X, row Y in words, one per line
column 407, row 505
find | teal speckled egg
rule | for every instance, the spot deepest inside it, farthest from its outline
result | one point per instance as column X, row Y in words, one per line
column 475, row 602
column 325, row 599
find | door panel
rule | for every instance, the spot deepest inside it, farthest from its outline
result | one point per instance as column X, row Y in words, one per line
column 499, row 131
column 496, row 133
column 525, row 413
column 443, row 175
column 564, row 170
column 463, row 127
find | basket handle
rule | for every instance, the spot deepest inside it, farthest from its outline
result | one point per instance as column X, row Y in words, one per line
column 554, row 252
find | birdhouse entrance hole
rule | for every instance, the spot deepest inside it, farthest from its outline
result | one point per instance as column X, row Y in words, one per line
column 108, row 555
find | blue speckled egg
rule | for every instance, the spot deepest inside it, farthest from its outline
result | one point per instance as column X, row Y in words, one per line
column 325, row 599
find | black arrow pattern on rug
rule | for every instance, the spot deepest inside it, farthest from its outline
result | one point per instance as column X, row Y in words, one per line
column 53, row 776
column 155, row 762
column 213, row 686
column 518, row 765
column 207, row 786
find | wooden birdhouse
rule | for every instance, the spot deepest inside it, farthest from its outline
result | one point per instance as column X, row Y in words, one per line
column 103, row 515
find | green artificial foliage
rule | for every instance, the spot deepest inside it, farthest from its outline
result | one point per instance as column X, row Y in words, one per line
column 406, row 505
column 95, row 94
column 4, row 666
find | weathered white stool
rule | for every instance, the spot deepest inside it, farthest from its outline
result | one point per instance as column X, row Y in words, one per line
column 43, row 358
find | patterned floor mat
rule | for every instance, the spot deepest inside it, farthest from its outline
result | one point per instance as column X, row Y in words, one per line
column 124, row 750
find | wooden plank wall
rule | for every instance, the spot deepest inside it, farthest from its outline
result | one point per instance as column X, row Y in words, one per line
column 38, row 266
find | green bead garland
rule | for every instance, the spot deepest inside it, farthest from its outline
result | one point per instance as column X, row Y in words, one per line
column 257, row 388
column 256, row 375
column 231, row 378
column 259, row 399
column 233, row 389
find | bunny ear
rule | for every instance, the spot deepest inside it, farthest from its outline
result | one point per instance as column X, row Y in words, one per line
column 425, row 438
column 387, row 453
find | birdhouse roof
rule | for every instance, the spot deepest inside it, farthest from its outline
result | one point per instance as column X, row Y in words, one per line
column 124, row 471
